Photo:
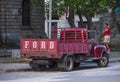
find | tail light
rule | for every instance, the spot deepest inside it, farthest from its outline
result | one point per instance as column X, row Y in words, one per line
column 23, row 55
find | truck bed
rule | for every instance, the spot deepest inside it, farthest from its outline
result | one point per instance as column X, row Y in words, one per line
column 51, row 48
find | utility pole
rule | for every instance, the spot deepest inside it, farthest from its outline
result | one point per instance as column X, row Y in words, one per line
column 50, row 17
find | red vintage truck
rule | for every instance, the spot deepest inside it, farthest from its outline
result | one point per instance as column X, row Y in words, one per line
column 68, row 50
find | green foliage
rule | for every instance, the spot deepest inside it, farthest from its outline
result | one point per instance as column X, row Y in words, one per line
column 89, row 6
column 117, row 2
column 83, row 7
column 57, row 11
column 58, row 8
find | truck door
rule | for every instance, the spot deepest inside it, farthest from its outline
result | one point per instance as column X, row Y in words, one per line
column 91, row 42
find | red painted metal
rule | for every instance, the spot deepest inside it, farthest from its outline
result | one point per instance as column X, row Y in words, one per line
column 25, row 44
column 98, row 50
column 43, row 43
column 71, row 41
column 70, row 48
column 34, row 46
column 39, row 45
column 53, row 45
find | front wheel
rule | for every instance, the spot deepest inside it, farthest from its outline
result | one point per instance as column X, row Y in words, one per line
column 104, row 61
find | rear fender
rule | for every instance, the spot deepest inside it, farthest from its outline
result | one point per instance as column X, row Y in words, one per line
column 99, row 50
column 67, row 55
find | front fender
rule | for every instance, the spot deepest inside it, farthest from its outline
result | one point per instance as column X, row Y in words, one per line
column 99, row 50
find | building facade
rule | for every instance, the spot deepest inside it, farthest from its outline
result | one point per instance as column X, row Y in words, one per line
column 20, row 19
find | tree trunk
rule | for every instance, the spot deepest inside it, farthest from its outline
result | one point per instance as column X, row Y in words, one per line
column 71, row 18
column 89, row 21
column 81, row 20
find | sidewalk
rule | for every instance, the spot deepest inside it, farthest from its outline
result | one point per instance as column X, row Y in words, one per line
column 14, row 67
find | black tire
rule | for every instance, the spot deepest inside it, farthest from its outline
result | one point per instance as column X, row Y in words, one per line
column 68, row 64
column 76, row 64
column 36, row 67
column 53, row 65
column 104, row 61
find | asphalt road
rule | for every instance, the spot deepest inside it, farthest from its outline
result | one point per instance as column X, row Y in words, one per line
column 86, row 73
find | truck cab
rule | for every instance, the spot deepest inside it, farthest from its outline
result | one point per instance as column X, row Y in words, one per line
column 66, row 50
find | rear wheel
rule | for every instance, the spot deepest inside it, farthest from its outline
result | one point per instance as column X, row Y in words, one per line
column 76, row 64
column 37, row 67
column 104, row 61
column 67, row 64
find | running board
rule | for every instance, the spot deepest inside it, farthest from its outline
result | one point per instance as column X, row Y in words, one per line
column 91, row 59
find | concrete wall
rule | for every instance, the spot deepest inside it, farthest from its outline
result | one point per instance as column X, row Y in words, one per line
column 11, row 28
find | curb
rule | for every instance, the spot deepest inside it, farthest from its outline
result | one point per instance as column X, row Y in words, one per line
column 112, row 61
column 14, row 70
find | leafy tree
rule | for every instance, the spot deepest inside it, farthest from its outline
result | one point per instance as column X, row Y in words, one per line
column 88, row 8
column 58, row 8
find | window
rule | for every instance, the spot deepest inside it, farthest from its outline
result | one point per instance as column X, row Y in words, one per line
column 26, row 12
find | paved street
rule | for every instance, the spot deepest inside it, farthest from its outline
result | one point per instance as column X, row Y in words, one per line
column 86, row 73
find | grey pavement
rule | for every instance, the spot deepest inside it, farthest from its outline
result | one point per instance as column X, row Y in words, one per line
column 14, row 67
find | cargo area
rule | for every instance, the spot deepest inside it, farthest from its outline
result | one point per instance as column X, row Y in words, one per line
column 70, row 41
